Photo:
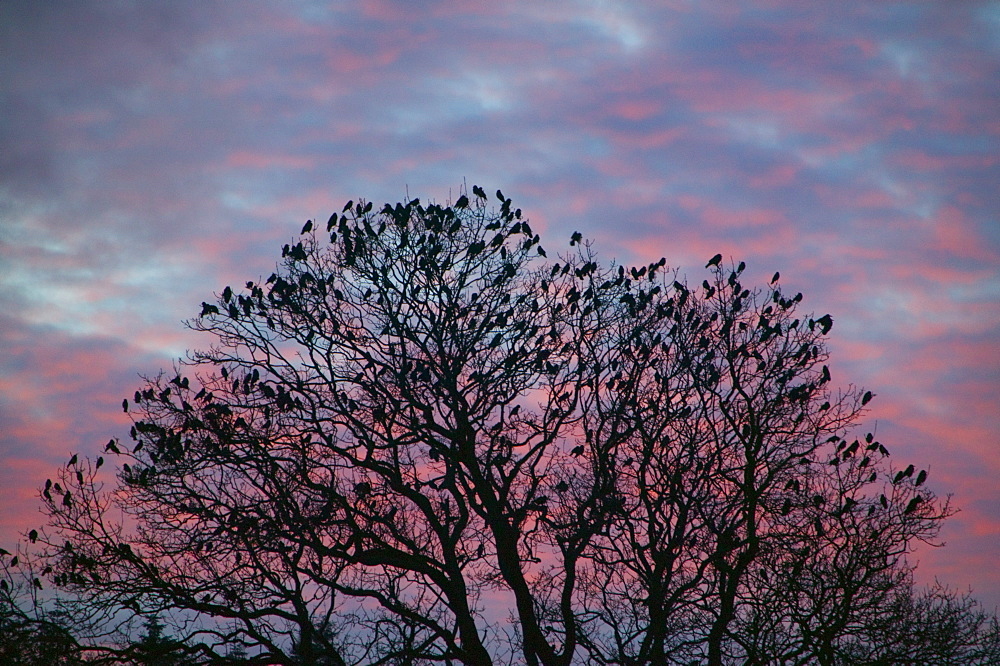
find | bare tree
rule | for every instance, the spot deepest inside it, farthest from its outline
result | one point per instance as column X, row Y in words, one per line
column 419, row 424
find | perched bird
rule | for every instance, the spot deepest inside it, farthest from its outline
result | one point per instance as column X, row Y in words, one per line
column 562, row 486
column 774, row 278
column 33, row 536
column 866, row 398
column 100, row 461
column 577, row 450
column 921, row 477
column 72, row 461
column 125, row 404
column 714, row 261
column 914, row 503
column 479, row 192
column 463, row 202
column 111, row 446
column 307, row 227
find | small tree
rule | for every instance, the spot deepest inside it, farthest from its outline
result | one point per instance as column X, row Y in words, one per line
column 154, row 648
column 419, row 418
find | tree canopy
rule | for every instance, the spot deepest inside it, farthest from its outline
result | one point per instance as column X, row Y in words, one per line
column 425, row 440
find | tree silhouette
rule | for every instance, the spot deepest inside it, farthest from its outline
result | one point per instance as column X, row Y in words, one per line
column 420, row 425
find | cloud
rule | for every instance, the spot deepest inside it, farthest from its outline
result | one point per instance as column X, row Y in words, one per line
column 153, row 154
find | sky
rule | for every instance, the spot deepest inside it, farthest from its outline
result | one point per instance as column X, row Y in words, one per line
column 152, row 153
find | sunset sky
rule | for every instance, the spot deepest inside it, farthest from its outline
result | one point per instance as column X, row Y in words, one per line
column 153, row 152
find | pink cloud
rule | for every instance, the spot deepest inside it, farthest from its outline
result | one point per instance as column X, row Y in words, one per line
column 258, row 160
column 956, row 234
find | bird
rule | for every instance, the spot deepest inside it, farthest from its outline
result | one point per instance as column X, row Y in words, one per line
column 72, row 461
column 100, row 461
column 577, row 450
column 774, row 278
column 479, row 192
column 307, row 227
column 125, row 404
column 110, row 446
column 714, row 261
column 908, row 472
column 33, row 536
column 575, row 238
column 562, row 486
column 921, row 477
column 866, row 398
column 463, row 202
column 912, row 506
column 826, row 322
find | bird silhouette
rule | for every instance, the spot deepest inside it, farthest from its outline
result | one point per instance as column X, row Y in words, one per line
column 774, row 278
column 866, row 398
column 921, row 477
column 577, row 450
column 714, row 261
column 307, row 227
